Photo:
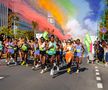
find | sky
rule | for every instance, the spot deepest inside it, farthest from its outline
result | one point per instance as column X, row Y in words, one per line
column 82, row 9
column 86, row 20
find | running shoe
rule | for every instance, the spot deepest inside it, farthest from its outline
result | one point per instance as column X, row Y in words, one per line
column 52, row 72
column 68, row 70
column 42, row 71
column 23, row 63
column 33, row 68
column 8, row 63
column 58, row 69
column 45, row 68
column 37, row 65
column 26, row 65
column 77, row 71
column 15, row 63
column 54, row 64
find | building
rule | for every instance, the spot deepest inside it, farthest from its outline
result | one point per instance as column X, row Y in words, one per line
column 3, row 15
column 5, row 19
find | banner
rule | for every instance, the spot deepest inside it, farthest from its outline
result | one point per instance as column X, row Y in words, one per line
column 87, row 44
column 88, row 38
column 45, row 35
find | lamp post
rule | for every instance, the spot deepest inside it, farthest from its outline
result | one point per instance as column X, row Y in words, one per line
column 15, row 27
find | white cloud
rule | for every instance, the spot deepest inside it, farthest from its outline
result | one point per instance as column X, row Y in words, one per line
column 74, row 28
column 91, row 26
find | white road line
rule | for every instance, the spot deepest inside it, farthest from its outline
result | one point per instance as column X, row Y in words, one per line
column 99, row 85
column 97, row 73
column 96, row 70
column 96, row 67
column 1, row 78
column 98, row 78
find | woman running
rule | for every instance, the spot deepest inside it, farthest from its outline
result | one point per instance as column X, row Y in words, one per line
column 79, row 53
column 36, row 54
column 69, row 55
column 42, row 54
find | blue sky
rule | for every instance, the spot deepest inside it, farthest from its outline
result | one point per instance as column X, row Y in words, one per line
column 82, row 9
column 88, row 9
column 88, row 13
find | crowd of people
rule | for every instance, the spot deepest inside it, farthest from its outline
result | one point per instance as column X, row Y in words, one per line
column 101, row 51
column 48, row 54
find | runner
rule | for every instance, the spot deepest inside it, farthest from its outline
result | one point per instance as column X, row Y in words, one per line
column 1, row 49
column 20, row 43
column 69, row 56
column 25, row 49
column 58, row 50
column 42, row 53
column 15, row 43
column 79, row 53
column 51, row 51
column 31, row 43
column 10, row 52
column 36, row 54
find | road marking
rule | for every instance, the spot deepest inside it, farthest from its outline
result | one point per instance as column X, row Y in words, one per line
column 97, row 73
column 98, row 78
column 1, row 78
column 96, row 70
column 99, row 85
column 96, row 67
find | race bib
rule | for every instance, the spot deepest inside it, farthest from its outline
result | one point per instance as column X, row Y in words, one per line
column 78, row 50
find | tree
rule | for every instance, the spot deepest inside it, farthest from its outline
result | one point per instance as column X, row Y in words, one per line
column 34, row 27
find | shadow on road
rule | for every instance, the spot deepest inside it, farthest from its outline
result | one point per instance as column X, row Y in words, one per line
column 63, row 70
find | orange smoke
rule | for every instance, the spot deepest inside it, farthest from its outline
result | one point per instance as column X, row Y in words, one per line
column 50, row 6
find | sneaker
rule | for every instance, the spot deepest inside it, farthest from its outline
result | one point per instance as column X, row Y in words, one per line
column 23, row 63
column 37, row 65
column 54, row 64
column 52, row 72
column 8, row 63
column 77, row 71
column 33, row 68
column 15, row 63
column 45, row 69
column 42, row 71
column 57, row 68
column 68, row 70
column 26, row 65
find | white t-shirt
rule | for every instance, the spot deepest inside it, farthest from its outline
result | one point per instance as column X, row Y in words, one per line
column 91, row 56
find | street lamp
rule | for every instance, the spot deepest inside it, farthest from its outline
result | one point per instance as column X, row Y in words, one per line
column 15, row 27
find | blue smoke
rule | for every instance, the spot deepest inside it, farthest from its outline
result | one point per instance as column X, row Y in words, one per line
column 97, row 9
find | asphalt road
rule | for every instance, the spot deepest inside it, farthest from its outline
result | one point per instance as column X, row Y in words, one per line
column 24, row 78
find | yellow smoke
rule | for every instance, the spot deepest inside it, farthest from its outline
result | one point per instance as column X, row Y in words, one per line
column 54, row 9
